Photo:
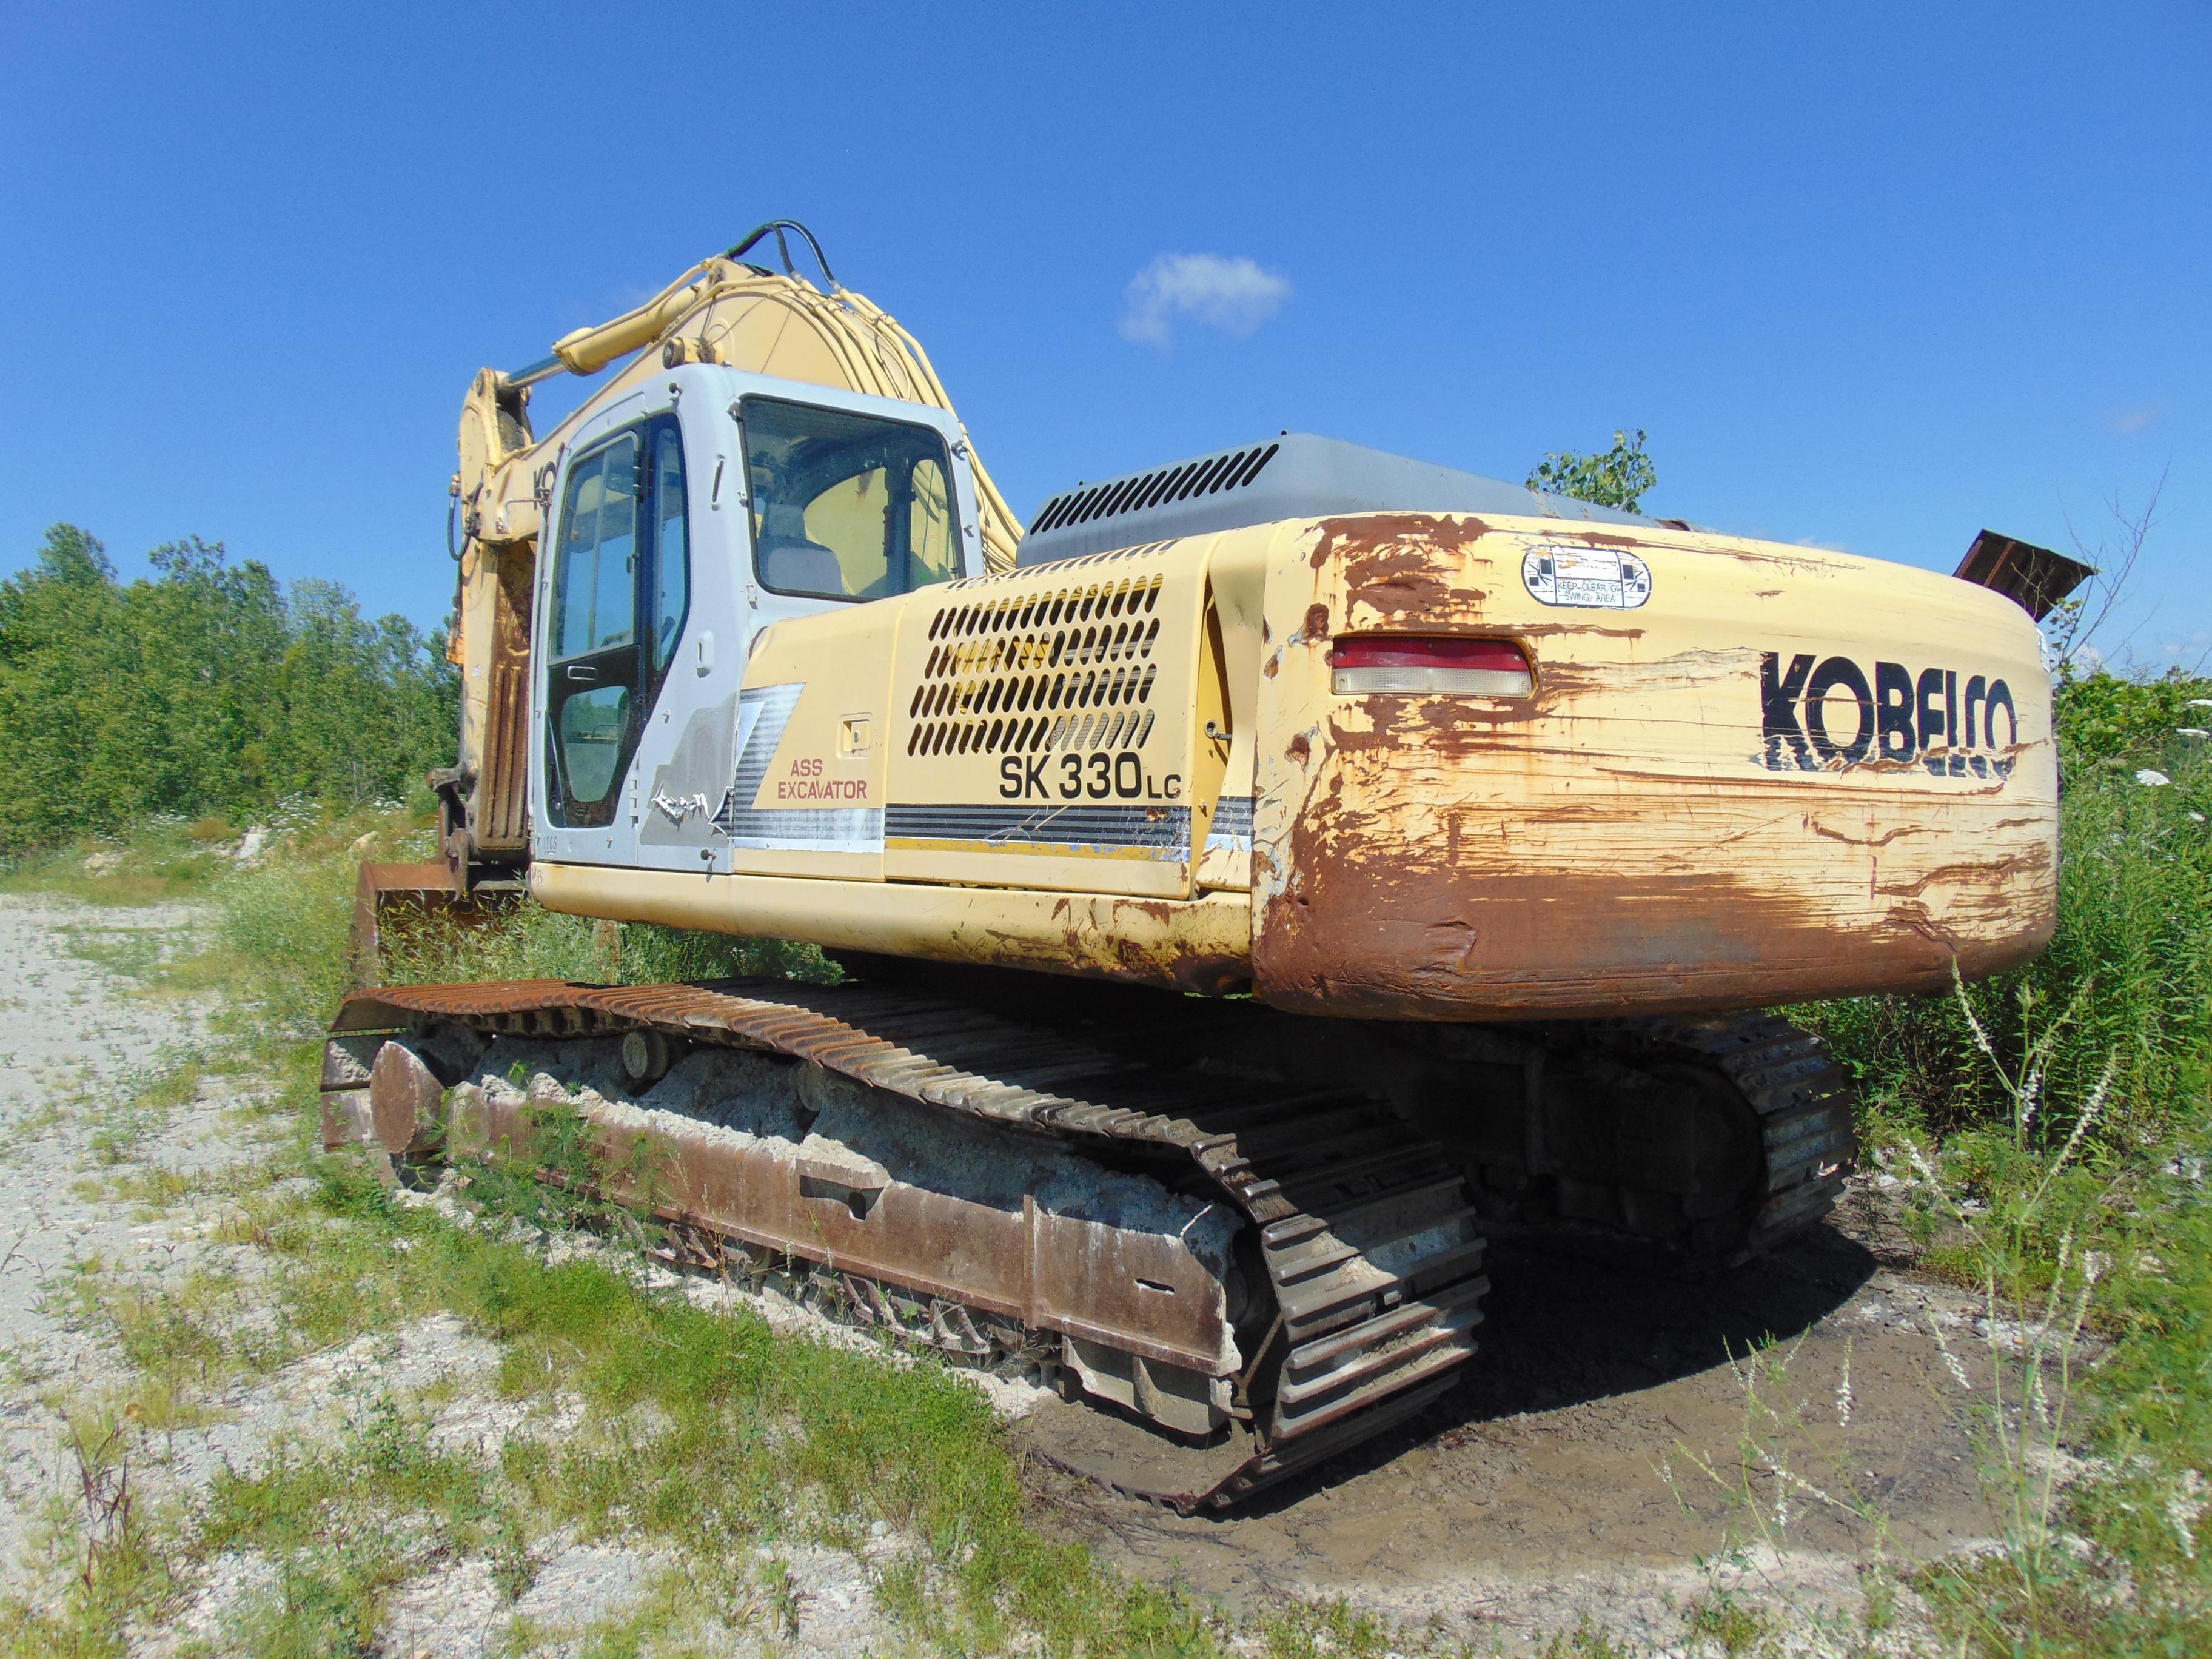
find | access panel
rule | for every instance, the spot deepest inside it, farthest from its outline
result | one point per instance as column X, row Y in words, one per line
column 1048, row 728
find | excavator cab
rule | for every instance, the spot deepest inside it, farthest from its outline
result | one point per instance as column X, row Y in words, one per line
column 685, row 520
column 677, row 523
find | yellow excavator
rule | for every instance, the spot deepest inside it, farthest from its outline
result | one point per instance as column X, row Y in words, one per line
column 1255, row 883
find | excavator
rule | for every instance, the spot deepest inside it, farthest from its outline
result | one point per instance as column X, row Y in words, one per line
column 1254, row 884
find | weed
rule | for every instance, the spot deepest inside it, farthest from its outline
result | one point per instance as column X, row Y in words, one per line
column 784, row 1598
column 2091, row 1555
column 1588, row 1641
column 113, row 1562
column 1721, row 1620
column 1310, row 1629
column 2121, row 986
column 143, row 1107
column 513, row 1568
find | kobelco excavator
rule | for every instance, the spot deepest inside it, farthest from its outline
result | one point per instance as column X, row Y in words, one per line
column 1270, row 872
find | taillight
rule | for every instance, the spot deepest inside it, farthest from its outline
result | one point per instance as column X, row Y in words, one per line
column 1404, row 662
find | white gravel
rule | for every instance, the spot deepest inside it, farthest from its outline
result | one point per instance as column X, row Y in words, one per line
column 77, row 1044
column 74, row 1049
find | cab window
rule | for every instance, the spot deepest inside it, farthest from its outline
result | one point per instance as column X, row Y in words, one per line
column 621, row 583
column 847, row 506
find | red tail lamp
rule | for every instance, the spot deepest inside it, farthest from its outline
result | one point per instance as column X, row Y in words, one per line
column 1408, row 662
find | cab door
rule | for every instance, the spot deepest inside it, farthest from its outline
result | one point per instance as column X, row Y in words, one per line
column 614, row 600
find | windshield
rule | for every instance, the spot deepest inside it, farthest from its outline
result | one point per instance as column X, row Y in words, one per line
column 847, row 506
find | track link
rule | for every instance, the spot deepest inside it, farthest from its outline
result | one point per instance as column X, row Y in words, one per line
column 1366, row 1231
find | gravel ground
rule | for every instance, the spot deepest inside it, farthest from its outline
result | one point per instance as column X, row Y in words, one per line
column 77, row 1042
column 71, row 1048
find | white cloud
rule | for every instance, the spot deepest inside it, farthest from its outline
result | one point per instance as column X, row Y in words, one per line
column 2129, row 421
column 1234, row 295
column 2195, row 646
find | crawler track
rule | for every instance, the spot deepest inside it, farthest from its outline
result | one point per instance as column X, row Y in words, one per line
column 1369, row 1242
column 1800, row 1098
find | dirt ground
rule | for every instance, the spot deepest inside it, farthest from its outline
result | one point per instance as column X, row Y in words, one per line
column 1561, row 1481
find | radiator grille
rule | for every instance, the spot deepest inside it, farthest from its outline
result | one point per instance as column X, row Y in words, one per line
column 1067, row 666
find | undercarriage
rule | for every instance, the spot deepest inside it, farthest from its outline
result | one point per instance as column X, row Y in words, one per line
column 1236, row 1242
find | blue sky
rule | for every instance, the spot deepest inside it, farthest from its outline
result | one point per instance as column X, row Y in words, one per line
column 1872, row 277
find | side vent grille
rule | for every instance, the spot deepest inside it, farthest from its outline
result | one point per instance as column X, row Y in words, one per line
column 1067, row 667
column 1187, row 482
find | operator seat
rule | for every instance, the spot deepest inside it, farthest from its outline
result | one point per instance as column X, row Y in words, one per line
column 789, row 561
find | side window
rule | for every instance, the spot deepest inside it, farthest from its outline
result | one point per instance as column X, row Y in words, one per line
column 671, row 562
column 594, row 598
column 624, row 551
column 932, row 534
column 847, row 506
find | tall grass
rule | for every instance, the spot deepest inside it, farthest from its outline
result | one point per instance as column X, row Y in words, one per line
column 2126, row 984
column 2055, row 1125
column 528, row 942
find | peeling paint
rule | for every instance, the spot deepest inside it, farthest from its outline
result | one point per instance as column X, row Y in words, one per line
column 1617, row 841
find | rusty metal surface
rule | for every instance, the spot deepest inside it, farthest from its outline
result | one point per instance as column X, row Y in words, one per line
column 1051, row 1272
column 384, row 892
column 912, row 1045
column 1370, row 1245
column 499, row 812
column 404, row 1099
column 1656, row 828
column 348, row 1119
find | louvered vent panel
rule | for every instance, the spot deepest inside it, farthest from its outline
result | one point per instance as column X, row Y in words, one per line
column 1184, row 482
column 1065, row 667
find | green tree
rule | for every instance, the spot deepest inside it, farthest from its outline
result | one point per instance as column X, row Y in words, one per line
column 1618, row 477
column 202, row 689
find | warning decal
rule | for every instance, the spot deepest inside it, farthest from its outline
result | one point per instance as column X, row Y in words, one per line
column 1589, row 578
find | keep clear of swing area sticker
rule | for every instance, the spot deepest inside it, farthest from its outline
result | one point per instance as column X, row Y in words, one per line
column 1592, row 578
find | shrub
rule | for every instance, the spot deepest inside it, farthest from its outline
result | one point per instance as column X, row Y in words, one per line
column 2127, row 978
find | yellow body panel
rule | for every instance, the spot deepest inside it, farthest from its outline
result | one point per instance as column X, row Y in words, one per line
column 1198, row 945
column 831, row 760
column 1047, row 728
column 1668, row 822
